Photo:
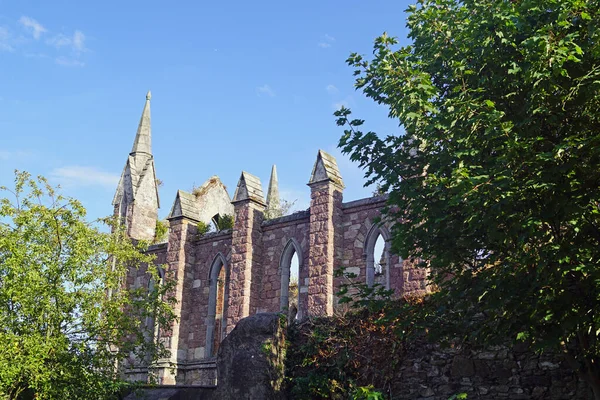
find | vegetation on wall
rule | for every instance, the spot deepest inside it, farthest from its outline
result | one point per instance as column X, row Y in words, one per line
column 68, row 326
column 203, row 228
column 226, row 222
column 161, row 232
column 335, row 357
column 495, row 182
column 219, row 223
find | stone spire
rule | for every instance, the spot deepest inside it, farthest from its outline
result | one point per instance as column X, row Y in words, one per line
column 136, row 200
column 143, row 137
column 273, row 204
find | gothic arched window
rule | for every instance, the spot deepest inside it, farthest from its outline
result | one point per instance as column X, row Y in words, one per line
column 290, row 265
column 377, row 254
column 217, row 305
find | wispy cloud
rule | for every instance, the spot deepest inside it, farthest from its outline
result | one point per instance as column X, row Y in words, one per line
column 265, row 90
column 35, row 55
column 346, row 102
column 69, row 62
column 340, row 104
column 5, row 39
column 75, row 42
column 59, row 41
column 31, row 25
column 331, row 89
column 79, row 41
column 76, row 175
column 65, row 49
column 326, row 41
column 18, row 155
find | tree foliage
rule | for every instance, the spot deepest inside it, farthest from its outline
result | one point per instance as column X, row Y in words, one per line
column 283, row 208
column 342, row 357
column 68, row 325
column 161, row 233
column 226, row 222
column 495, row 181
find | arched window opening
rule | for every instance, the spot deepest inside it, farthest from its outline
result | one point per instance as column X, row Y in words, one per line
column 152, row 329
column 379, row 261
column 217, row 305
column 220, row 306
column 214, row 223
column 293, row 287
column 378, row 258
column 290, row 265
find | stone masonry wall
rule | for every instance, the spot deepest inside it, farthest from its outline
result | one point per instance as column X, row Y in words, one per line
column 275, row 238
column 428, row 372
column 180, row 258
column 261, row 246
column 357, row 223
column 195, row 309
column 358, row 216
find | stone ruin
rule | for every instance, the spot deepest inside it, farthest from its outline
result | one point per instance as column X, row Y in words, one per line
column 227, row 275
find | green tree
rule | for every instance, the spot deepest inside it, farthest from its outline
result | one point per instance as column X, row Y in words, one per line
column 495, row 179
column 68, row 324
column 285, row 207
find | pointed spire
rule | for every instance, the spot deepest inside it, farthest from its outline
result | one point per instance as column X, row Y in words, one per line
column 273, row 205
column 143, row 137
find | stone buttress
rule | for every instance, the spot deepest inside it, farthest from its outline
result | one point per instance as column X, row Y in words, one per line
column 326, row 187
column 246, row 249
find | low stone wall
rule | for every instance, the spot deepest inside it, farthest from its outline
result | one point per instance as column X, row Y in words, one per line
column 429, row 372
column 170, row 392
column 332, row 357
column 203, row 373
column 250, row 361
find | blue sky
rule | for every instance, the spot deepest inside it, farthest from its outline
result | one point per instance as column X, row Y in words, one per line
column 235, row 86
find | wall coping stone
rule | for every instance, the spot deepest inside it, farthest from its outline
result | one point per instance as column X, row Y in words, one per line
column 287, row 218
column 212, row 236
column 210, row 363
column 157, row 246
column 365, row 202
